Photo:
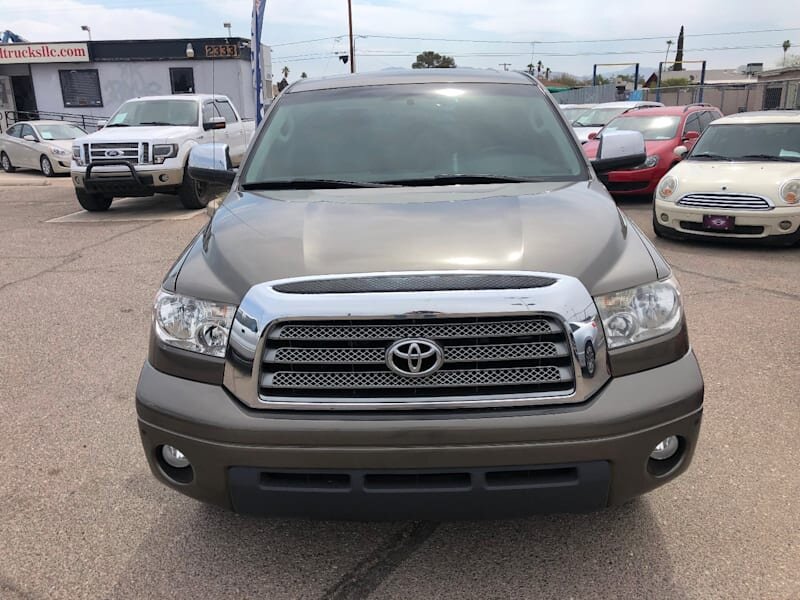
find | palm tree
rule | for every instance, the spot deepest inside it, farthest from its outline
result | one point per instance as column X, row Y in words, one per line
column 531, row 66
column 285, row 71
column 547, row 73
column 786, row 45
column 539, row 66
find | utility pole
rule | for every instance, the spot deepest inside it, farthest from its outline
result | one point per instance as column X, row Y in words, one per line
column 505, row 66
column 352, row 41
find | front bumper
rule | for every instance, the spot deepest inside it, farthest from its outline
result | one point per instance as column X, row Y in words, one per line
column 755, row 225
column 634, row 181
column 123, row 180
column 454, row 464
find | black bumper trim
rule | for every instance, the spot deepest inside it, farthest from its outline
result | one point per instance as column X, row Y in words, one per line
column 133, row 185
column 474, row 493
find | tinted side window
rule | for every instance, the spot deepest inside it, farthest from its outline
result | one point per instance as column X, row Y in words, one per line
column 209, row 112
column 227, row 111
column 14, row 131
column 27, row 130
column 692, row 124
column 705, row 119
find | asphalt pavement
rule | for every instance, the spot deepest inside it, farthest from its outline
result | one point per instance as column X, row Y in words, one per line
column 81, row 516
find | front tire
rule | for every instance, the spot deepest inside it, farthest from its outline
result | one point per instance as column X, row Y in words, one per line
column 5, row 162
column 93, row 202
column 46, row 166
column 192, row 194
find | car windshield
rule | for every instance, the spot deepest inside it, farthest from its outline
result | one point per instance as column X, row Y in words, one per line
column 60, row 132
column 573, row 113
column 652, row 128
column 156, row 112
column 779, row 142
column 597, row 117
column 410, row 134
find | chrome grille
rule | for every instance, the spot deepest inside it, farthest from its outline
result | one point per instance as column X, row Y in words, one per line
column 129, row 151
column 725, row 202
column 482, row 356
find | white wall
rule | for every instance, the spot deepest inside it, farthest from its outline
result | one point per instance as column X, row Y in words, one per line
column 121, row 81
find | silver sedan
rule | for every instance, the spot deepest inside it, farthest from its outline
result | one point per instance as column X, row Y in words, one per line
column 42, row 145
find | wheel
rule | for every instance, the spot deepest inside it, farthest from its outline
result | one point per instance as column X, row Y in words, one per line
column 6, row 163
column 47, row 166
column 93, row 202
column 192, row 194
column 589, row 359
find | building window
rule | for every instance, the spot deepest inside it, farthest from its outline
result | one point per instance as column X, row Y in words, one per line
column 182, row 80
column 81, row 88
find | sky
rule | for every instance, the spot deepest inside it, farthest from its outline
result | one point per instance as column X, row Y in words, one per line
column 570, row 36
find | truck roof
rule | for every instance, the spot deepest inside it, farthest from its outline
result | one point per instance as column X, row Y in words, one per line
column 400, row 76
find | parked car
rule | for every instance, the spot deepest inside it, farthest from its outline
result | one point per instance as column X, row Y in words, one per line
column 740, row 181
column 143, row 148
column 598, row 116
column 573, row 111
column 375, row 323
column 42, row 145
column 664, row 129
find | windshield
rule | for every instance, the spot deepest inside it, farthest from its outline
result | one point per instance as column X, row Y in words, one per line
column 156, row 112
column 573, row 113
column 405, row 133
column 749, row 141
column 60, row 132
column 597, row 117
column 652, row 128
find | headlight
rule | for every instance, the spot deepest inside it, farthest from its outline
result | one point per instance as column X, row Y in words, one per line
column 667, row 187
column 76, row 154
column 162, row 152
column 192, row 324
column 640, row 313
column 790, row 191
column 59, row 151
column 650, row 162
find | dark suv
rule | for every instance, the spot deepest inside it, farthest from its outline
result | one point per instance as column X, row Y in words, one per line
column 418, row 301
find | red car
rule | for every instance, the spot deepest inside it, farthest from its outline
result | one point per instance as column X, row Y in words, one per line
column 664, row 129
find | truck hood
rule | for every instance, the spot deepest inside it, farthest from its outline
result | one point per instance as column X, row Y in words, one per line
column 136, row 134
column 572, row 229
column 746, row 177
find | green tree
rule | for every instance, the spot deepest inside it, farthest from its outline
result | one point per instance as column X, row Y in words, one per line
column 786, row 45
column 433, row 60
column 676, row 82
column 303, row 75
column 285, row 71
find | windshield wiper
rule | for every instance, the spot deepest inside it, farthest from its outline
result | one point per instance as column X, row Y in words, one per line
column 770, row 157
column 461, row 178
column 308, row 184
column 118, row 125
column 156, row 123
column 710, row 156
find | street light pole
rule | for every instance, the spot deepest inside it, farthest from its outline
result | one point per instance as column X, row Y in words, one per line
column 88, row 30
column 666, row 58
column 352, row 41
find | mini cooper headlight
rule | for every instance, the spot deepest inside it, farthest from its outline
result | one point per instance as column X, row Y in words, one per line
column 790, row 191
column 667, row 187
column 640, row 313
column 192, row 324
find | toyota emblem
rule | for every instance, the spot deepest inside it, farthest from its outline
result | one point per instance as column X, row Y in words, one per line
column 113, row 153
column 414, row 358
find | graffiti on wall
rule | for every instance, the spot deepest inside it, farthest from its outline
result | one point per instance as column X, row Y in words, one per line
column 130, row 80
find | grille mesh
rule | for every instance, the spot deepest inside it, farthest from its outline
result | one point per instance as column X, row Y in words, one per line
column 725, row 201
column 387, row 379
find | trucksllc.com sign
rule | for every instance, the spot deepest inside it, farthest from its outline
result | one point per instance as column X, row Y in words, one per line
column 43, row 53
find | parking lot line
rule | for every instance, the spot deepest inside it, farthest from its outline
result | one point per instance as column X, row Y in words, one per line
column 157, row 208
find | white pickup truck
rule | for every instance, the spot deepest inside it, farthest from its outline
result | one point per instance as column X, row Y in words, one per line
column 143, row 148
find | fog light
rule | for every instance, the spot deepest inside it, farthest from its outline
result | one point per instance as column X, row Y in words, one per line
column 174, row 457
column 664, row 217
column 664, row 450
column 785, row 225
column 163, row 178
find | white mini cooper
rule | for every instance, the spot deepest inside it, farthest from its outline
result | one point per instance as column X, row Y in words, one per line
column 741, row 180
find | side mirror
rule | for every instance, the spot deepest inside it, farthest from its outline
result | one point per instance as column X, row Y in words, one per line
column 680, row 151
column 691, row 135
column 592, row 136
column 619, row 150
column 102, row 123
column 29, row 138
column 214, row 123
column 211, row 163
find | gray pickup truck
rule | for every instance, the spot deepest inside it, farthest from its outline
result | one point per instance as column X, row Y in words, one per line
column 418, row 301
